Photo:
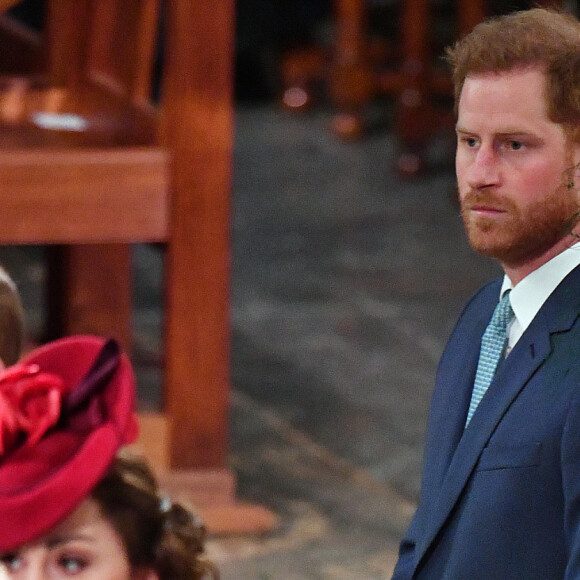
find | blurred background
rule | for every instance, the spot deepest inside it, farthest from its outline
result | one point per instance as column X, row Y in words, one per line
column 349, row 268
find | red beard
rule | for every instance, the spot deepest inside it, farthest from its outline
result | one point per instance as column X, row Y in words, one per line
column 520, row 234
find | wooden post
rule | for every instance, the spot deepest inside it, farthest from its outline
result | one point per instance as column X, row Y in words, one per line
column 90, row 291
column 351, row 81
column 198, row 128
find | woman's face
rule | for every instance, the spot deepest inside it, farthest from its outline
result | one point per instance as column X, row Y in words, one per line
column 85, row 546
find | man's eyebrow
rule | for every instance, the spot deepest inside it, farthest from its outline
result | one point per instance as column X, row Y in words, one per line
column 515, row 132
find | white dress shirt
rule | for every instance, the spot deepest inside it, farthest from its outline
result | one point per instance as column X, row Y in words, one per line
column 529, row 295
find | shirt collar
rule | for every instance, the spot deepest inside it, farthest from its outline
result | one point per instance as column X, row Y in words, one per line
column 529, row 295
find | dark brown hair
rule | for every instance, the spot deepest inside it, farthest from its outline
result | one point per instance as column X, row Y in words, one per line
column 538, row 38
column 158, row 534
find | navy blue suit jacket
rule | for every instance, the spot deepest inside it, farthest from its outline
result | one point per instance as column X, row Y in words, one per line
column 501, row 499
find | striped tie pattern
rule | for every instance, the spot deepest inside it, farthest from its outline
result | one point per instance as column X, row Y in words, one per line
column 492, row 347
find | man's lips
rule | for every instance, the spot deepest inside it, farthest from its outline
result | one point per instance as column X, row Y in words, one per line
column 486, row 209
column 484, row 204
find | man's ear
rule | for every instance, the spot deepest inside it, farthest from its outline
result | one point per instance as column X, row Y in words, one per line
column 573, row 171
column 576, row 154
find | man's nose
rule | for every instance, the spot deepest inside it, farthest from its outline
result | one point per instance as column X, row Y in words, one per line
column 484, row 170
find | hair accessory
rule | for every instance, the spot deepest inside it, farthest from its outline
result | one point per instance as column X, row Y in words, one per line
column 65, row 411
column 165, row 504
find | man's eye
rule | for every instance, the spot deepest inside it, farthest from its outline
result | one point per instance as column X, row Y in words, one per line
column 11, row 561
column 516, row 145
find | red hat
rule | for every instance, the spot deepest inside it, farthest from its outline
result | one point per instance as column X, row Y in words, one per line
column 65, row 410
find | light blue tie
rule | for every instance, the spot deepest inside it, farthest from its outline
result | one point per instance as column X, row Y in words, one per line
column 492, row 347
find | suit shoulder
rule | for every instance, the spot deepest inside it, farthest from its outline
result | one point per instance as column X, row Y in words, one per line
column 486, row 297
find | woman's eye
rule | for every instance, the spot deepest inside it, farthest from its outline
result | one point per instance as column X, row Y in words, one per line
column 72, row 565
column 516, row 145
column 11, row 561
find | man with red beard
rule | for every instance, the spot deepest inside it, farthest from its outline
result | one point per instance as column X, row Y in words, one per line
column 500, row 494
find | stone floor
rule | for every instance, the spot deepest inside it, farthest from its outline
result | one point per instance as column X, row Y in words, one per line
column 346, row 282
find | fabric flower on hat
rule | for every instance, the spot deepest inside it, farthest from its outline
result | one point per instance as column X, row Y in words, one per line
column 30, row 404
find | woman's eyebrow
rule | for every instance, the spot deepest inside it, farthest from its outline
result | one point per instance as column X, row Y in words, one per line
column 55, row 541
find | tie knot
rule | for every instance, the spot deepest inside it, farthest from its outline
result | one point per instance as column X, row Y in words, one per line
column 503, row 313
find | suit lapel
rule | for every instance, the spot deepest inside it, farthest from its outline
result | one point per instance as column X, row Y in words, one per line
column 453, row 403
column 508, row 382
column 557, row 315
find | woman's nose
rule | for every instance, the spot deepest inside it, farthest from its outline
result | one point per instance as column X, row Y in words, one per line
column 30, row 572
